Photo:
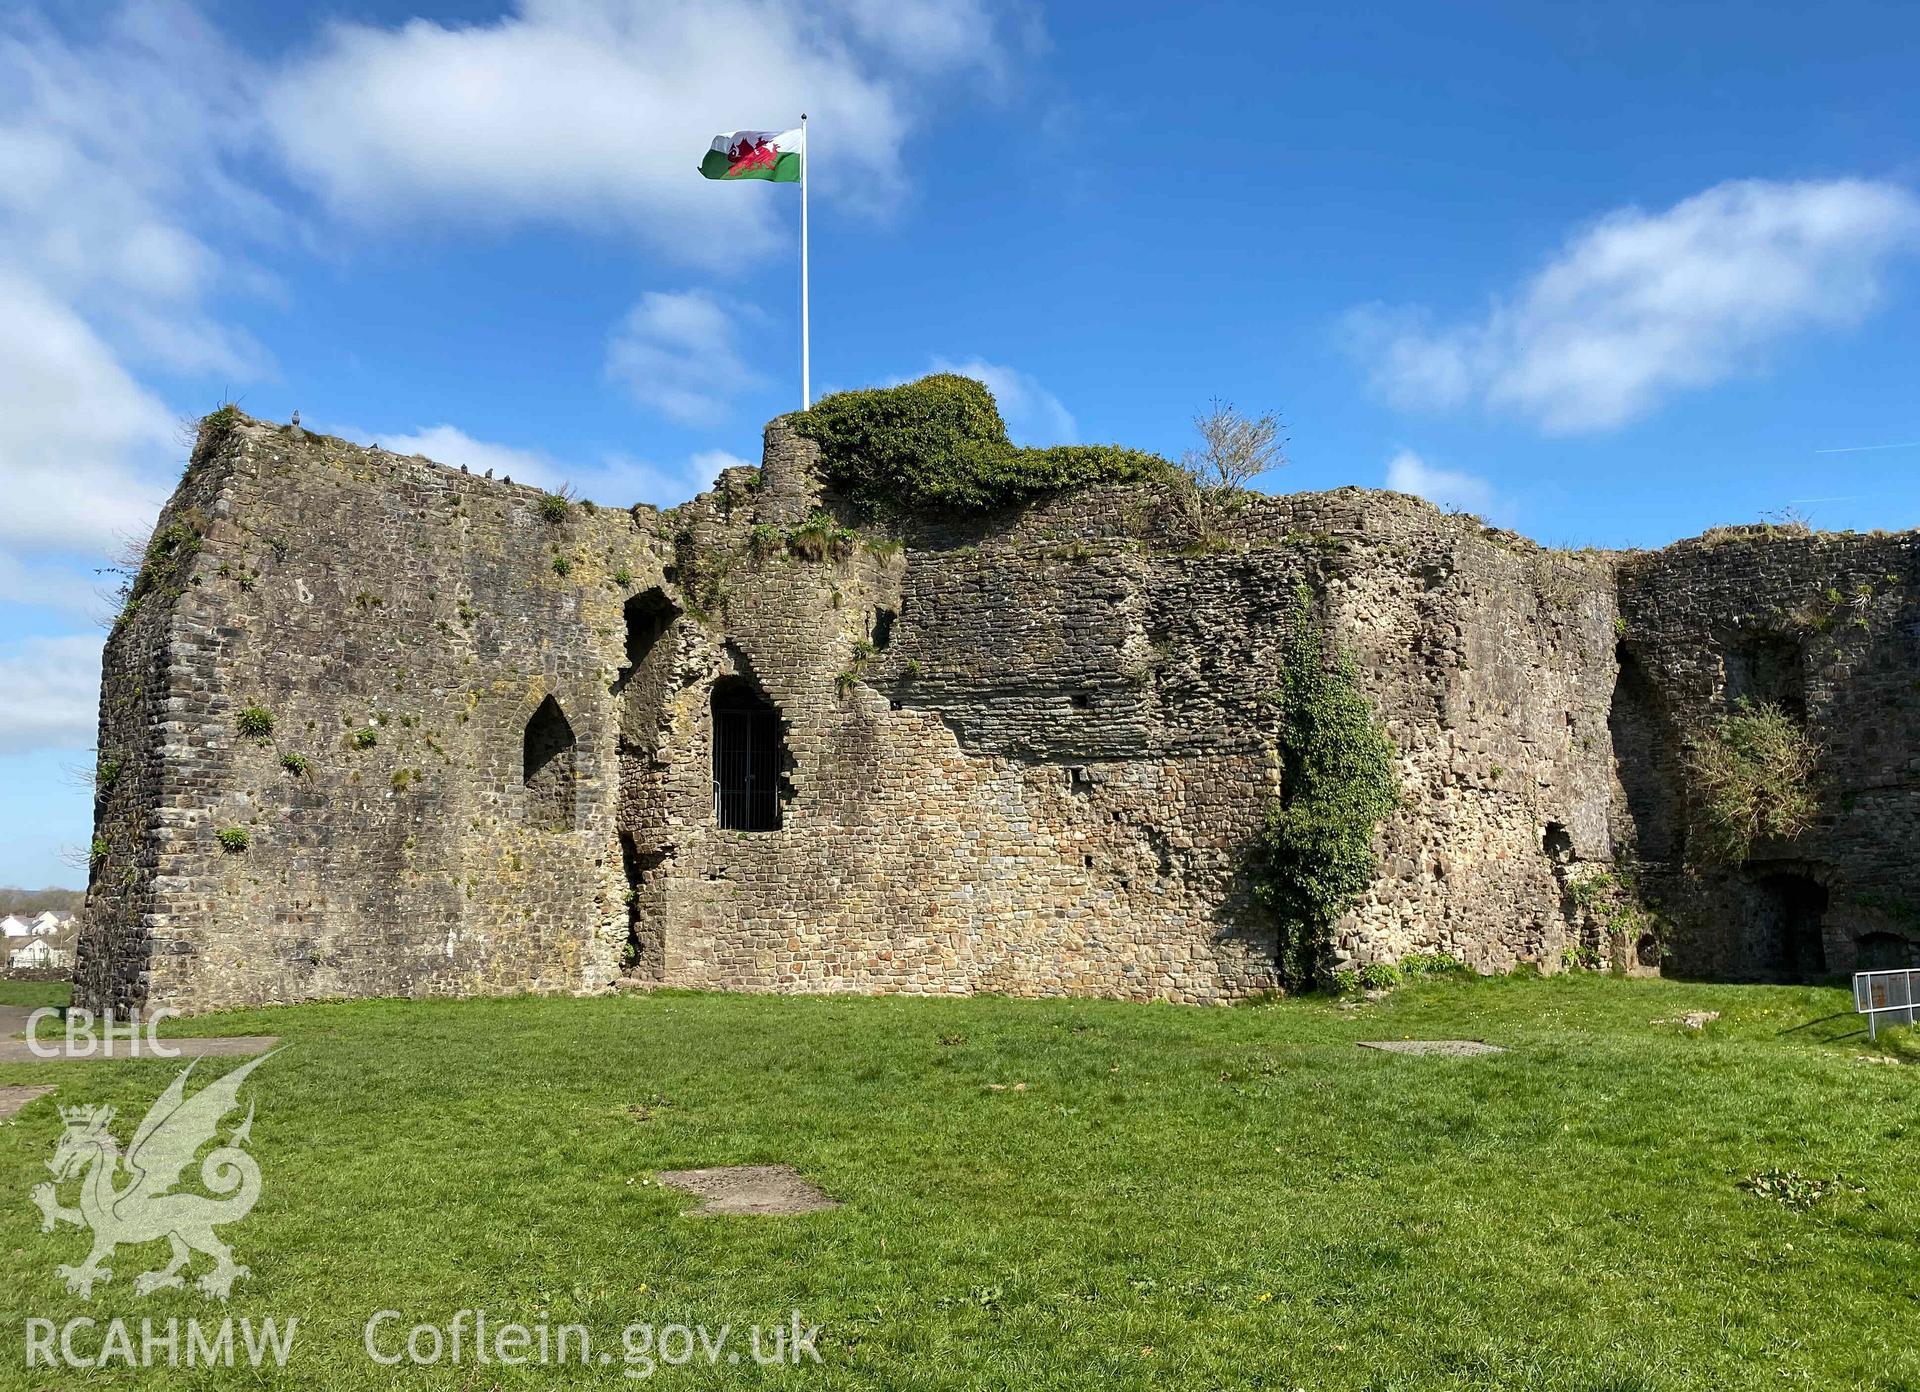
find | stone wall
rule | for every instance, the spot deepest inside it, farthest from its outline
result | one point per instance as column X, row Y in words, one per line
column 1827, row 627
column 402, row 623
column 1023, row 753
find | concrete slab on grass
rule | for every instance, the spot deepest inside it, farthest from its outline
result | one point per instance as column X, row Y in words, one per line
column 1450, row 1048
column 14, row 1096
column 766, row 1190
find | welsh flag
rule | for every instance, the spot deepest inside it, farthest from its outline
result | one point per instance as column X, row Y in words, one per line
column 771, row 155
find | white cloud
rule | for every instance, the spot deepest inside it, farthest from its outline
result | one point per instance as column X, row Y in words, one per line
column 53, row 694
column 79, row 438
column 447, row 444
column 71, row 590
column 1407, row 472
column 1034, row 415
column 594, row 113
column 109, row 152
column 1640, row 306
column 927, row 34
column 112, row 150
column 614, row 480
column 629, row 480
column 678, row 353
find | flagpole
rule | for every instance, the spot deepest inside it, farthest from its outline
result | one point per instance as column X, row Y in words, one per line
column 806, row 342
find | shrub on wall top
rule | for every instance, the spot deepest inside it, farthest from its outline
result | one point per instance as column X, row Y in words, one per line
column 939, row 443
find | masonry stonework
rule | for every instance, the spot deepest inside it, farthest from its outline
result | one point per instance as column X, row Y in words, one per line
column 1023, row 753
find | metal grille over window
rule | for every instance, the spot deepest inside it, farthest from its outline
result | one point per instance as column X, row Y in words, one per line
column 748, row 757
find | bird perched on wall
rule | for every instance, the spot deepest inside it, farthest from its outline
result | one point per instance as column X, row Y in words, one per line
column 464, row 469
column 489, row 473
column 296, row 420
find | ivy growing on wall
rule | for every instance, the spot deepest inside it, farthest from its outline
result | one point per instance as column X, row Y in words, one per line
column 1338, row 782
column 940, row 444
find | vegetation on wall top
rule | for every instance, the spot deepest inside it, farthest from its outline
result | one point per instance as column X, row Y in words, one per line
column 1750, row 779
column 162, row 565
column 940, row 444
column 1338, row 782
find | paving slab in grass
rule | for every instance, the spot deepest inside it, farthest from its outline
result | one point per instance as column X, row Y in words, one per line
column 767, row 1190
column 1451, row 1048
column 16, row 1050
column 15, row 1096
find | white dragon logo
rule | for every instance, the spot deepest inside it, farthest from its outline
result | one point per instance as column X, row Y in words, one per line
column 144, row 1210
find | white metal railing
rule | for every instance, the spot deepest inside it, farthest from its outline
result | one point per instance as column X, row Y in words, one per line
column 1877, row 993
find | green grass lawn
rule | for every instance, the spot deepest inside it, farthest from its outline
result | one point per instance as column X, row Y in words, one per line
column 34, row 993
column 1179, row 1197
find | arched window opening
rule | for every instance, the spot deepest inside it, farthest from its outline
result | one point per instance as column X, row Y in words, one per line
column 549, row 768
column 749, row 757
column 649, row 615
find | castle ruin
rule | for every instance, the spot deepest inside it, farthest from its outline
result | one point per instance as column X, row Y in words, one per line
column 374, row 726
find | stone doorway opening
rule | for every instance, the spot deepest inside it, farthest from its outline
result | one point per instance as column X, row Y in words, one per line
column 1789, row 934
column 649, row 615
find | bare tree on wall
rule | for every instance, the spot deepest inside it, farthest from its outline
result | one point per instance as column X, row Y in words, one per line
column 1234, row 450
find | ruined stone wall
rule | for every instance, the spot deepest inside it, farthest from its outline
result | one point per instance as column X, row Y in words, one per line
column 1827, row 627
column 145, row 796
column 401, row 622
column 1488, row 657
column 1029, row 752
column 1025, row 752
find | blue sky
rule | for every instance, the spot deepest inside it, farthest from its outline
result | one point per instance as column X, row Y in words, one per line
column 1608, row 274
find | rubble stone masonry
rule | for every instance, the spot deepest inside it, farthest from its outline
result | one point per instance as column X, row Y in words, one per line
column 1023, row 753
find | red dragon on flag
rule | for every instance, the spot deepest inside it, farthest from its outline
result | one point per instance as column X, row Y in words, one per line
column 751, row 156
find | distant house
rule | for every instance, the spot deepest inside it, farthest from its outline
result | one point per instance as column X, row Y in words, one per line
column 13, row 926
column 40, row 953
column 47, row 922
